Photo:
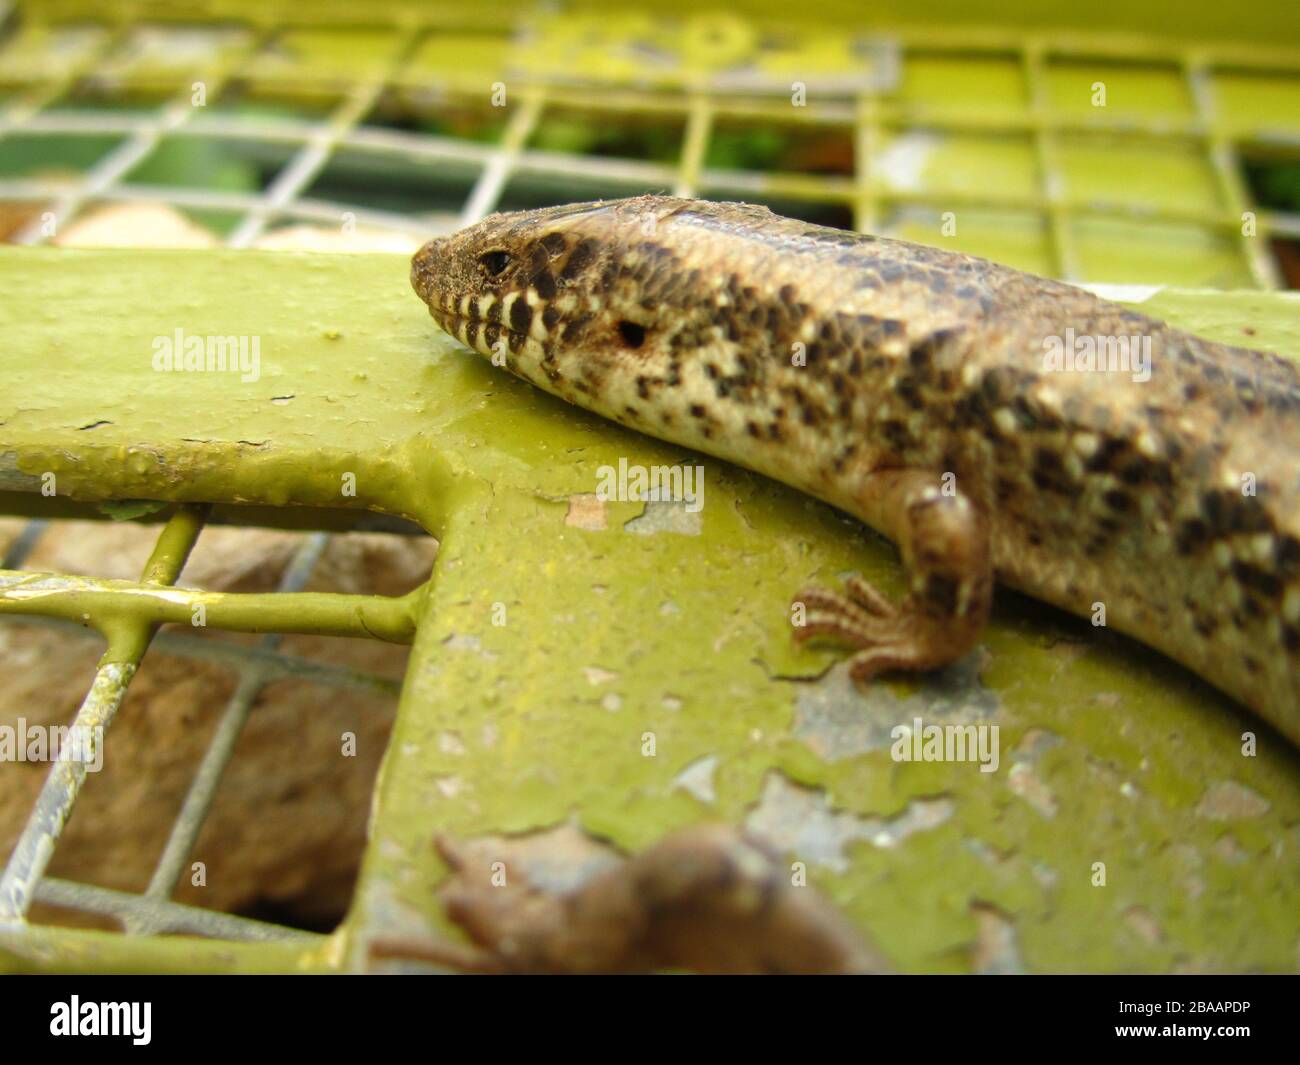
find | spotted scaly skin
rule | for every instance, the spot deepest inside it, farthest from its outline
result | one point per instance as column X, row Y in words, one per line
column 908, row 386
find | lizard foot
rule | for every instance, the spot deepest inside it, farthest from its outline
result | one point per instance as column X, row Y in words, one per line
column 886, row 636
column 944, row 543
column 862, row 618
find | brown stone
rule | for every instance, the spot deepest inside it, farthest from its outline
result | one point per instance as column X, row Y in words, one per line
column 286, row 830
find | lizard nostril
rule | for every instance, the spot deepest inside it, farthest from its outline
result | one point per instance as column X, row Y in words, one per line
column 632, row 333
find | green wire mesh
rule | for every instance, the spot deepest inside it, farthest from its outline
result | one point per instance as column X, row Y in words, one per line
column 1086, row 158
column 1093, row 159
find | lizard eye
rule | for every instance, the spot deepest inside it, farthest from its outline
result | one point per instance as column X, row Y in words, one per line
column 494, row 261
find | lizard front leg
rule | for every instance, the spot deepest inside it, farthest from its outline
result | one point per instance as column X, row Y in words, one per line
column 944, row 542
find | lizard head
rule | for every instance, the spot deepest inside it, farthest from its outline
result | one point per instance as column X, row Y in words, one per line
column 578, row 299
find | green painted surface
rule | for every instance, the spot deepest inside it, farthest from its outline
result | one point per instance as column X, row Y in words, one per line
column 1261, row 21
column 943, row 164
column 1261, row 105
column 1017, row 239
column 659, row 623
column 1140, row 252
column 1145, row 92
column 77, row 952
column 1118, row 134
column 1139, row 173
column 987, row 84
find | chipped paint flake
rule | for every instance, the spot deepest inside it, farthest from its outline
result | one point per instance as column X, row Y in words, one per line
column 839, row 720
column 1144, row 924
column 586, row 512
column 666, row 517
column 450, row 743
column 697, row 778
column 450, row 787
column 1229, row 801
column 467, row 641
column 1026, row 784
column 801, row 822
column 996, row 949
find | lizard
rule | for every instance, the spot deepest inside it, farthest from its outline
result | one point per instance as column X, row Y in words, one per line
column 706, row 898
column 922, row 391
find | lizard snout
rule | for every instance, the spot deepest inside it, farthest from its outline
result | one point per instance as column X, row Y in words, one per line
column 424, row 265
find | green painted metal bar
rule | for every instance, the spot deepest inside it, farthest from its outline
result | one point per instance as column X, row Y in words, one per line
column 128, row 640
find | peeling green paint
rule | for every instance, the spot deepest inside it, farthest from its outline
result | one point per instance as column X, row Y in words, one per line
column 612, row 633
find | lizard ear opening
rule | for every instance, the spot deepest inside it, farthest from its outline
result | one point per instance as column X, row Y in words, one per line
column 494, row 261
column 633, row 334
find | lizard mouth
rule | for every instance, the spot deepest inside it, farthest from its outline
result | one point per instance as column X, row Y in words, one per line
column 457, row 325
column 540, row 370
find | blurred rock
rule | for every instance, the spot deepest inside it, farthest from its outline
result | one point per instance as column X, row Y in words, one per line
column 135, row 225
column 286, row 830
column 320, row 238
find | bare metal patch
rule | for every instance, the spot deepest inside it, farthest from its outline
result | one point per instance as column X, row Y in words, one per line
column 1027, row 785
column 1144, row 925
column 996, row 949
column 586, row 512
column 596, row 675
column 1229, row 801
column 1023, row 777
column 669, row 517
column 697, row 778
column 467, row 641
column 801, row 822
column 393, row 917
column 839, row 720
column 557, row 859
column 1034, row 744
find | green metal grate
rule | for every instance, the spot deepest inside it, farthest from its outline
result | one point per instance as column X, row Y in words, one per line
column 1007, row 132
column 996, row 129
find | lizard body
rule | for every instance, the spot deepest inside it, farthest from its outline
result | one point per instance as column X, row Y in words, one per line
column 911, row 387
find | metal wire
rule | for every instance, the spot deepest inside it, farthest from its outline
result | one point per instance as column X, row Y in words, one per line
column 864, row 115
column 221, row 748
column 36, row 843
column 277, row 664
column 164, row 917
column 22, row 880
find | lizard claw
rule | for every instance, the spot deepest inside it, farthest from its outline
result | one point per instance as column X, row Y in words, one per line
column 862, row 618
column 943, row 540
column 885, row 636
column 865, row 595
column 854, row 617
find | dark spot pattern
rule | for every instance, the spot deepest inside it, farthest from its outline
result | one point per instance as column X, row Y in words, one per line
column 918, row 357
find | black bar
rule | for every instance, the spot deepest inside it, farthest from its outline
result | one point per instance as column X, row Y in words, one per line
column 657, row 1015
